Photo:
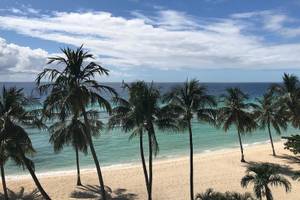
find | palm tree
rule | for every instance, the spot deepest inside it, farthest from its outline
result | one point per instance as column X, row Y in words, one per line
column 262, row 176
column 73, row 132
column 126, row 116
column 139, row 114
column 188, row 100
column 270, row 113
column 289, row 93
column 3, row 159
column 13, row 115
column 4, row 156
column 210, row 194
column 73, row 89
column 237, row 112
column 237, row 196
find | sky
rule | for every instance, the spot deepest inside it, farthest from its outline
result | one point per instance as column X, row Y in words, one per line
column 155, row 40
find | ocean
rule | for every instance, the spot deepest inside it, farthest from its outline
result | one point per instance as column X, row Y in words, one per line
column 113, row 147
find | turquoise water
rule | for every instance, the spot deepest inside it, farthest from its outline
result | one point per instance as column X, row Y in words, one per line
column 114, row 147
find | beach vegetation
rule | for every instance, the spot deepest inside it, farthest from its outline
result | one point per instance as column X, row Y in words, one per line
column 15, row 142
column 73, row 88
column 263, row 176
column 140, row 115
column 210, row 194
column 238, row 112
column 73, row 132
column 191, row 100
column 292, row 143
column 289, row 94
column 270, row 114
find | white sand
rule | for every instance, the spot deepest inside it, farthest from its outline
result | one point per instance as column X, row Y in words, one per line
column 221, row 170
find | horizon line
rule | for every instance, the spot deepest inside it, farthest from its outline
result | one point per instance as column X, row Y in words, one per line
column 160, row 81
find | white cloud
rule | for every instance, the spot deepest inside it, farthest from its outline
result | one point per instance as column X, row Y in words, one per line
column 275, row 22
column 32, row 10
column 19, row 63
column 215, row 1
column 21, row 10
column 272, row 21
column 167, row 40
column 17, row 59
column 12, row 10
column 246, row 15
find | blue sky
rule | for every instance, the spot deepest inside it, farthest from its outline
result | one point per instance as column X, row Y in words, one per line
column 212, row 40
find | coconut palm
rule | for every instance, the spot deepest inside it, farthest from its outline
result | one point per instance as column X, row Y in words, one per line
column 13, row 137
column 238, row 196
column 73, row 89
column 235, row 111
column 188, row 100
column 3, row 159
column 73, row 132
column 126, row 116
column 270, row 113
column 263, row 176
column 289, row 93
column 210, row 194
column 138, row 115
column 69, row 132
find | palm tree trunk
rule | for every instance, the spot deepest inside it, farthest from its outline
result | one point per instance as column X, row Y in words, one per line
column 191, row 162
column 101, row 182
column 4, row 182
column 150, row 167
column 271, row 139
column 143, row 162
column 78, row 168
column 32, row 173
column 241, row 146
column 103, row 193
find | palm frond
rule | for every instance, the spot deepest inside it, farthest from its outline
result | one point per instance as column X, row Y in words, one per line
column 262, row 175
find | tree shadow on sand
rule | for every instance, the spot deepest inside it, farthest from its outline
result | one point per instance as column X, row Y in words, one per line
column 22, row 195
column 93, row 192
column 290, row 159
column 283, row 169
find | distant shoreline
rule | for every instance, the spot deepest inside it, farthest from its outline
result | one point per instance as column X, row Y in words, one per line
column 135, row 164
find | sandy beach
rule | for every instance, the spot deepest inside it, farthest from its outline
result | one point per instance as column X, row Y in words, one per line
column 221, row 170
